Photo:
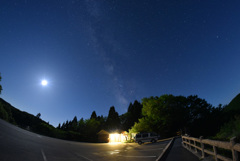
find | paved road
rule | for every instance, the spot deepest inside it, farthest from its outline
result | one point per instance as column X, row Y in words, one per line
column 146, row 152
column 179, row 153
column 17, row 144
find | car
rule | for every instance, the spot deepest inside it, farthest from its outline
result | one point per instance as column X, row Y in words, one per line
column 146, row 137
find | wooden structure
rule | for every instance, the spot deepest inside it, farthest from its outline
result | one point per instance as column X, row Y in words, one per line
column 198, row 145
column 103, row 136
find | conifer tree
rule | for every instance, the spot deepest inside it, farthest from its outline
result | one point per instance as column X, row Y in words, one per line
column 0, row 84
column 94, row 115
column 113, row 121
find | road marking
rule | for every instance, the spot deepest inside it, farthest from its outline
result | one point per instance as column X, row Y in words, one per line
column 137, row 156
column 44, row 156
column 83, row 157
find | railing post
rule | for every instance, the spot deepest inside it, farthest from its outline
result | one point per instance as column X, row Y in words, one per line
column 185, row 143
column 234, row 153
column 215, row 153
column 189, row 144
column 195, row 146
column 183, row 139
column 202, row 146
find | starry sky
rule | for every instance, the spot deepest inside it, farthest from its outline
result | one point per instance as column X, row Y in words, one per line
column 101, row 53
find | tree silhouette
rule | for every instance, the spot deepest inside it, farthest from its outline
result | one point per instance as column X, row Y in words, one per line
column 168, row 114
column 0, row 84
column 113, row 121
column 133, row 114
column 38, row 115
column 73, row 125
column 94, row 115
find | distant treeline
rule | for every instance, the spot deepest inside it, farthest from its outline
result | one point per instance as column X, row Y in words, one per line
column 77, row 130
column 89, row 128
column 165, row 115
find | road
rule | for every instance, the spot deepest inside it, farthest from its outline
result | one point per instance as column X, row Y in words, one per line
column 17, row 144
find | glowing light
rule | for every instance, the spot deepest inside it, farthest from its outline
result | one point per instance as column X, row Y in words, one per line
column 116, row 138
column 44, row 82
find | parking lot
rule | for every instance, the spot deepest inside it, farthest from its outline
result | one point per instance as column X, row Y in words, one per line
column 144, row 152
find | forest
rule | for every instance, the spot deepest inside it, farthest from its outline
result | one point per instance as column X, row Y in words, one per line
column 167, row 115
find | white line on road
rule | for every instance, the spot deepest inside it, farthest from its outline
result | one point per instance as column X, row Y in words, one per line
column 137, row 156
column 83, row 157
column 44, row 156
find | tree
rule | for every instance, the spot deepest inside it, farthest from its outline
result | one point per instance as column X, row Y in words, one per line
column 94, row 115
column 81, row 125
column 59, row 126
column 200, row 115
column 0, row 84
column 38, row 115
column 3, row 113
column 66, row 126
column 92, row 128
column 73, row 125
column 102, row 121
column 144, row 125
column 165, row 115
column 132, row 116
column 113, row 121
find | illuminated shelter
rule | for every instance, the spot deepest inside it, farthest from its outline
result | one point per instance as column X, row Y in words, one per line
column 103, row 136
column 118, row 137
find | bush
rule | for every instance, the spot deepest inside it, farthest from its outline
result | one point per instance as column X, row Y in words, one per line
column 230, row 130
column 3, row 113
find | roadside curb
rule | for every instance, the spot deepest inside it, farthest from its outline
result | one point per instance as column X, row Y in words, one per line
column 165, row 150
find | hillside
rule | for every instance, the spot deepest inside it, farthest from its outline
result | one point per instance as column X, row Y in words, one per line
column 20, row 118
column 234, row 106
column 35, row 123
column 24, row 119
column 231, row 117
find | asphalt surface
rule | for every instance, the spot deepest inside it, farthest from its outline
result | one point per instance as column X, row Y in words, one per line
column 178, row 153
column 17, row 144
column 146, row 152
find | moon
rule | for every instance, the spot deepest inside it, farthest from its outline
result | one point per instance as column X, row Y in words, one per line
column 44, row 82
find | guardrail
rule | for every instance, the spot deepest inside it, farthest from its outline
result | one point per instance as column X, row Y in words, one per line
column 197, row 145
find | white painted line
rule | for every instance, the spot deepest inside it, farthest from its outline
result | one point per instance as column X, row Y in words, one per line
column 137, row 156
column 44, row 156
column 83, row 157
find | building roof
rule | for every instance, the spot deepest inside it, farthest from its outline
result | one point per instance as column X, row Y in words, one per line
column 101, row 132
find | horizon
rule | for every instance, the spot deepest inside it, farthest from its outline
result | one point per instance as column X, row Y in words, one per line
column 109, row 108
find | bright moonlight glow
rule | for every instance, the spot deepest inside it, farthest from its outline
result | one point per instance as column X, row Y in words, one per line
column 44, row 82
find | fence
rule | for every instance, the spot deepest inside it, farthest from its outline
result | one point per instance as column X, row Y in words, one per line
column 197, row 145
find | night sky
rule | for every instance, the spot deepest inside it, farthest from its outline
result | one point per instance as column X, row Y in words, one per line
column 101, row 53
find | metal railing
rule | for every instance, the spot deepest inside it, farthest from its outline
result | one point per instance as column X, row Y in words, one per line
column 198, row 145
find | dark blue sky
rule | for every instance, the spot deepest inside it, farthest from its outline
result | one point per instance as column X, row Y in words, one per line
column 99, row 53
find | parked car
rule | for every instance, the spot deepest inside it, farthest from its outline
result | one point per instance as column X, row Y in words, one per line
column 146, row 137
